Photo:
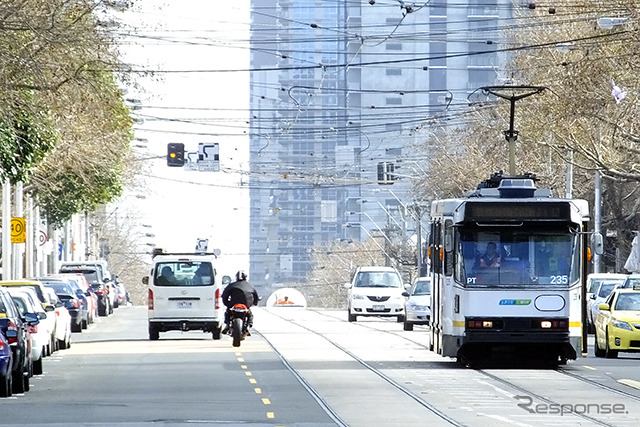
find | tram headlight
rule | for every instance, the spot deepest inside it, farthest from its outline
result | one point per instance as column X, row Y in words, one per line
column 545, row 324
column 621, row 325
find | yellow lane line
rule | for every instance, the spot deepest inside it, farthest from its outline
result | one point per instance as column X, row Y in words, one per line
column 252, row 381
column 266, row 401
column 590, row 367
column 270, row 415
column 257, row 390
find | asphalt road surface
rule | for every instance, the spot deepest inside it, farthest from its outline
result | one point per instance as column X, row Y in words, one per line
column 309, row 368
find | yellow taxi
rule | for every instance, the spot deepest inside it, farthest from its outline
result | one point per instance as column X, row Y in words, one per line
column 618, row 323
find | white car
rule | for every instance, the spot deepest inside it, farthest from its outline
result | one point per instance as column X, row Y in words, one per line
column 185, row 293
column 376, row 291
column 417, row 307
column 604, row 289
column 47, row 317
column 40, row 335
column 63, row 320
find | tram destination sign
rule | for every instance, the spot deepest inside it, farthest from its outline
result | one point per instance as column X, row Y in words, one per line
column 517, row 211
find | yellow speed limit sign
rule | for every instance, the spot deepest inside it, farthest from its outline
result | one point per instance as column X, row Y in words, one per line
column 18, row 230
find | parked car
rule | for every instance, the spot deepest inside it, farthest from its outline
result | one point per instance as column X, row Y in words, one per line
column 76, row 307
column 597, row 298
column 618, row 323
column 101, row 275
column 376, row 291
column 6, row 365
column 417, row 307
column 63, row 321
column 97, row 284
column 47, row 316
column 14, row 327
column 595, row 279
column 92, row 297
column 40, row 335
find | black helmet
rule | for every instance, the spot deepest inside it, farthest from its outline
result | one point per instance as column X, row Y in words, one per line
column 241, row 275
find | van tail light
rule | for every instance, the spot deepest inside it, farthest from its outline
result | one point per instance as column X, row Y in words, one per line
column 150, row 303
column 217, row 299
column 11, row 326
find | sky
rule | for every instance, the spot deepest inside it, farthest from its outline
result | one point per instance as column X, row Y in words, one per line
column 172, row 38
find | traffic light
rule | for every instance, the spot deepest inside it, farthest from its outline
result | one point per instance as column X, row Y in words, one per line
column 175, row 154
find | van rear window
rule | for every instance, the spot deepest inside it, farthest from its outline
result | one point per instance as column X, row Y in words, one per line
column 183, row 273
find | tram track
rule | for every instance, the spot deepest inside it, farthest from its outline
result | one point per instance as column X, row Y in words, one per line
column 510, row 384
column 432, row 408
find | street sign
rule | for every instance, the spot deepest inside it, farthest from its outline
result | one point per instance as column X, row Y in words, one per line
column 208, row 157
column 18, row 230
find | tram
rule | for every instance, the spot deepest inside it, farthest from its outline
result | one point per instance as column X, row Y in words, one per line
column 506, row 266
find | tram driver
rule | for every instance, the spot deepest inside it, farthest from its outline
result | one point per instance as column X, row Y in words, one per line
column 491, row 257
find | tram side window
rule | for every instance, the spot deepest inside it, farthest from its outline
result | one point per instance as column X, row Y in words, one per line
column 436, row 263
column 448, row 247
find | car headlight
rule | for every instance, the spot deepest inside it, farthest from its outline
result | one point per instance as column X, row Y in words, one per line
column 621, row 325
column 357, row 296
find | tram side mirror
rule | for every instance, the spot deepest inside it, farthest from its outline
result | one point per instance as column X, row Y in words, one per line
column 597, row 243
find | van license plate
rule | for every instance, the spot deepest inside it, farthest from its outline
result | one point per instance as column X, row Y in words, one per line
column 184, row 304
column 378, row 308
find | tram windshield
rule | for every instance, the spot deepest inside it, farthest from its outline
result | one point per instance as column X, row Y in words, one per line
column 517, row 257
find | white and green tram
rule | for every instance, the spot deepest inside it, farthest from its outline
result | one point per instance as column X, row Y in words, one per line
column 506, row 265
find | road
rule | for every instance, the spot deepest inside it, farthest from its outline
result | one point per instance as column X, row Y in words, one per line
column 308, row 368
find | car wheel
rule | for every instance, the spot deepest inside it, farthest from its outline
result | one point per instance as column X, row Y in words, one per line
column 85, row 323
column 400, row 319
column 62, row 344
column 352, row 317
column 154, row 334
column 18, row 381
column 216, row 333
column 76, row 327
column 37, row 366
column 110, row 309
column 27, row 384
column 610, row 354
column 6, row 388
column 408, row 326
column 597, row 351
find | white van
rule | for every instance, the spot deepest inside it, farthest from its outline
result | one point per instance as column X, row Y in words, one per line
column 185, row 293
column 376, row 291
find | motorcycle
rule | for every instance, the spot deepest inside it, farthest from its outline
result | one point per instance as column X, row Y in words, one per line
column 239, row 325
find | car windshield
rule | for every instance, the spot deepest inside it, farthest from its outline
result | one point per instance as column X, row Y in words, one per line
column 594, row 284
column 628, row 301
column 60, row 288
column 184, row 273
column 517, row 257
column 422, row 287
column 631, row 282
column 605, row 289
column 378, row 279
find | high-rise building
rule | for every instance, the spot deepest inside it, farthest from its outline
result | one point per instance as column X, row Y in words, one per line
column 340, row 91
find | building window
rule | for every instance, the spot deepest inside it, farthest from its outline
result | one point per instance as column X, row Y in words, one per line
column 394, row 71
column 393, row 46
column 394, row 101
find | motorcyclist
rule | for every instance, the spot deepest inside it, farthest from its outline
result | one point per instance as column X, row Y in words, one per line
column 239, row 292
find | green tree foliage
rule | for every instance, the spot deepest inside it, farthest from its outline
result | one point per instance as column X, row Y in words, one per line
column 70, row 136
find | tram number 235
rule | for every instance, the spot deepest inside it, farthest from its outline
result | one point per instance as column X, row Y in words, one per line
column 559, row 280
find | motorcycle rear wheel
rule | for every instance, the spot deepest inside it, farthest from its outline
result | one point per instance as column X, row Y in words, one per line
column 236, row 332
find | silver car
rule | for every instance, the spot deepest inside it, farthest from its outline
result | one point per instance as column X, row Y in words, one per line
column 418, row 304
column 598, row 297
